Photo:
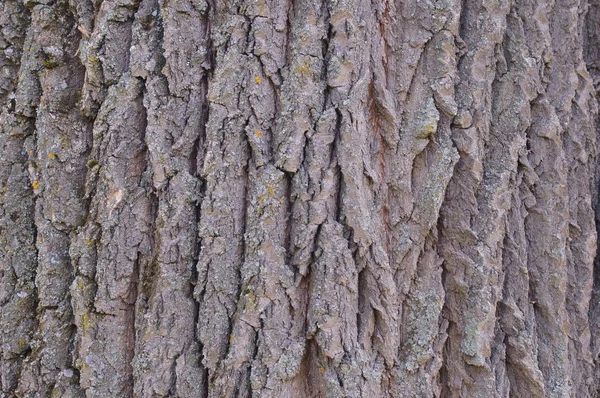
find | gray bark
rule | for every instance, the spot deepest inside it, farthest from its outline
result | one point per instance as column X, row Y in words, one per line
column 299, row 198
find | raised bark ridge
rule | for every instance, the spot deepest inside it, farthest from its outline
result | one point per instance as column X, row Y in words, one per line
column 302, row 198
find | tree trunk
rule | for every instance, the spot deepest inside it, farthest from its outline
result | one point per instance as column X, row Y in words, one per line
column 299, row 198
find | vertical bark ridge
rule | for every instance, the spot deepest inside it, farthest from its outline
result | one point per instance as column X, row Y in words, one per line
column 18, row 296
column 475, row 201
column 225, row 170
column 302, row 119
column 579, row 143
column 346, row 239
column 421, row 167
column 106, row 30
column 106, row 264
column 516, row 311
column 114, row 245
column 57, row 169
column 167, row 354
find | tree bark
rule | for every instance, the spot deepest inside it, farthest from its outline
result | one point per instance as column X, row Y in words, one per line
column 299, row 198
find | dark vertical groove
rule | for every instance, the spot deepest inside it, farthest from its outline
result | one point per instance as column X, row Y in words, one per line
column 340, row 177
column 135, row 279
column 193, row 283
column 134, row 286
column 199, row 156
column 287, row 245
column 196, row 163
column 326, row 54
column 443, row 371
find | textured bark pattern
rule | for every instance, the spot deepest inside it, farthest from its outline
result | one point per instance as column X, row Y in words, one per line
column 299, row 198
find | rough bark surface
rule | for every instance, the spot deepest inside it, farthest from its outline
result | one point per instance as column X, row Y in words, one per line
column 299, row 198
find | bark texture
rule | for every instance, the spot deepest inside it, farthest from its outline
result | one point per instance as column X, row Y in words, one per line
column 299, row 198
